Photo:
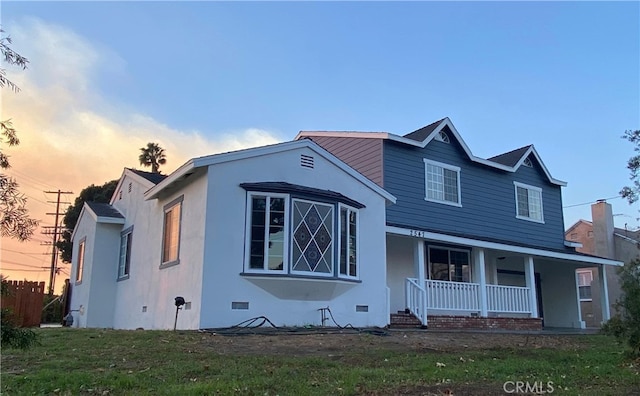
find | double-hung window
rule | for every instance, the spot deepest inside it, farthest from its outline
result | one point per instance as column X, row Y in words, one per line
column 528, row 202
column 171, row 233
column 125, row 253
column 442, row 183
column 300, row 236
column 585, row 277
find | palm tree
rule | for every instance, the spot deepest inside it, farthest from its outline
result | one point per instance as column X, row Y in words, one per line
column 153, row 156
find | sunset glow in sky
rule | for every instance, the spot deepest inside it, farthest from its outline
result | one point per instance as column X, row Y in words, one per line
column 205, row 77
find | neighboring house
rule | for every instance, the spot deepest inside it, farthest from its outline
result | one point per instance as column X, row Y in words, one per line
column 280, row 231
column 471, row 242
column 362, row 223
column 599, row 237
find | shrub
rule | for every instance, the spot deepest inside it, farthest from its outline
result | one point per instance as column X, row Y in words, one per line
column 625, row 325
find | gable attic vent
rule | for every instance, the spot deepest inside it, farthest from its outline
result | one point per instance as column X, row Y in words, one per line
column 130, row 187
column 527, row 162
column 306, row 161
column 442, row 137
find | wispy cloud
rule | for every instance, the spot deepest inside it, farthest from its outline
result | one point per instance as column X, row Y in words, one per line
column 70, row 135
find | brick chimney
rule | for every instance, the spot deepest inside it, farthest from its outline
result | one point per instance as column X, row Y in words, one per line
column 602, row 219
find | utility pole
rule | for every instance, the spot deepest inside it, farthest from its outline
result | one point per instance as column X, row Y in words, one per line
column 55, row 232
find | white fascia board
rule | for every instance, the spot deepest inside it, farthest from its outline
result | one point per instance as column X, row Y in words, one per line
column 531, row 150
column 109, row 220
column 342, row 134
column 127, row 172
column 82, row 212
column 260, row 151
column 572, row 244
column 502, row 246
column 154, row 191
column 626, row 238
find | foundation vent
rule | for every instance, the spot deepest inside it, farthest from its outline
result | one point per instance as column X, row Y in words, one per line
column 240, row 305
column 306, row 161
column 362, row 308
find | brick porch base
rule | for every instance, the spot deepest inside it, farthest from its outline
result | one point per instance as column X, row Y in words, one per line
column 403, row 320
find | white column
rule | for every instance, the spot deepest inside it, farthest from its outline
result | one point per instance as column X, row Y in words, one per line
column 604, row 293
column 581, row 324
column 481, row 278
column 530, row 278
column 419, row 264
column 418, row 260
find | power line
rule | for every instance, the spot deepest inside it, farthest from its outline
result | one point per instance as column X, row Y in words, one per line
column 590, row 202
column 24, row 270
column 21, row 264
column 56, row 232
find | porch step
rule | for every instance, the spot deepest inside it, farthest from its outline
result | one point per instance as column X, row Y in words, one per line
column 404, row 320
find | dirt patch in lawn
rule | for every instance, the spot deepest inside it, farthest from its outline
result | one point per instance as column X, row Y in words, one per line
column 336, row 342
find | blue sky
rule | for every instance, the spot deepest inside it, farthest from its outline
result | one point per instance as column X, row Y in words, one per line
column 202, row 77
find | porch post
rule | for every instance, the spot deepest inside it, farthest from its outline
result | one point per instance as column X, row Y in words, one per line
column 530, row 278
column 604, row 293
column 581, row 323
column 418, row 260
column 419, row 263
column 481, row 277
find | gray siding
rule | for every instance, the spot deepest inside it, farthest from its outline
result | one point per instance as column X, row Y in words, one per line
column 363, row 155
column 487, row 196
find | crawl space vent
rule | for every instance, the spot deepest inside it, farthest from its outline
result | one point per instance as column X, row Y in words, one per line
column 239, row 305
column 362, row 308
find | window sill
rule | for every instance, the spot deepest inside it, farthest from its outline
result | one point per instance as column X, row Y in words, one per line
column 301, row 287
column 169, row 264
column 456, row 204
column 530, row 219
column 123, row 278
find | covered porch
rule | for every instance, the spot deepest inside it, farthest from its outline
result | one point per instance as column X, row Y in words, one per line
column 453, row 282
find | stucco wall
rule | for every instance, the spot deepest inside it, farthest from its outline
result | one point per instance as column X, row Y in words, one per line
column 85, row 229
column 400, row 265
column 146, row 299
column 559, row 293
column 287, row 301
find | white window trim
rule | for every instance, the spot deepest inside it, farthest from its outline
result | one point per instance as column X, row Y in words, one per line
column 331, row 274
column 285, row 248
column 80, row 262
column 357, row 276
column 426, row 183
column 528, row 187
column 578, row 272
column 123, row 266
column 167, row 208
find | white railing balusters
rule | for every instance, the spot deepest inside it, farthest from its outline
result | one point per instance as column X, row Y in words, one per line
column 511, row 299
column 415, row 298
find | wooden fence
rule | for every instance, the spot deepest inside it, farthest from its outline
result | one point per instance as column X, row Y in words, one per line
column 25, row 300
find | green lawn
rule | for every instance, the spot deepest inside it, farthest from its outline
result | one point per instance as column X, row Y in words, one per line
column 109, row 362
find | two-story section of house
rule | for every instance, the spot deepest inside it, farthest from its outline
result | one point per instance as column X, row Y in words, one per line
column 471, row 242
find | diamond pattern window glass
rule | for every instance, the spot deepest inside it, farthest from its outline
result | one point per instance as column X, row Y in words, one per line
column 312, row 245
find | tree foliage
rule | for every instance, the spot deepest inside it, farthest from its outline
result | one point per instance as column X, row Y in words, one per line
column 632, row 193
column 14, row 217
column 92, row 193
column 625, row 325
column 152, row 156
column 12, row 335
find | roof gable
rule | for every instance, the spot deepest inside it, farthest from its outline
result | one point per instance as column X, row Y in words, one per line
column 145, row 179
column 100, row 213
column 421, row 137
column 194, row 164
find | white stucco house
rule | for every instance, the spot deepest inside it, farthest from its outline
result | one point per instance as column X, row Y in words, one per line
column 280, row 231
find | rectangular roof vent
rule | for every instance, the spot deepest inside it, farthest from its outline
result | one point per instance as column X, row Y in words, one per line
column 306, row 161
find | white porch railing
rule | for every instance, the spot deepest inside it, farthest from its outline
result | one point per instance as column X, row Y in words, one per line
column 511, row 299
column 455, row 296
column 415, row 299
column 464, row 296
